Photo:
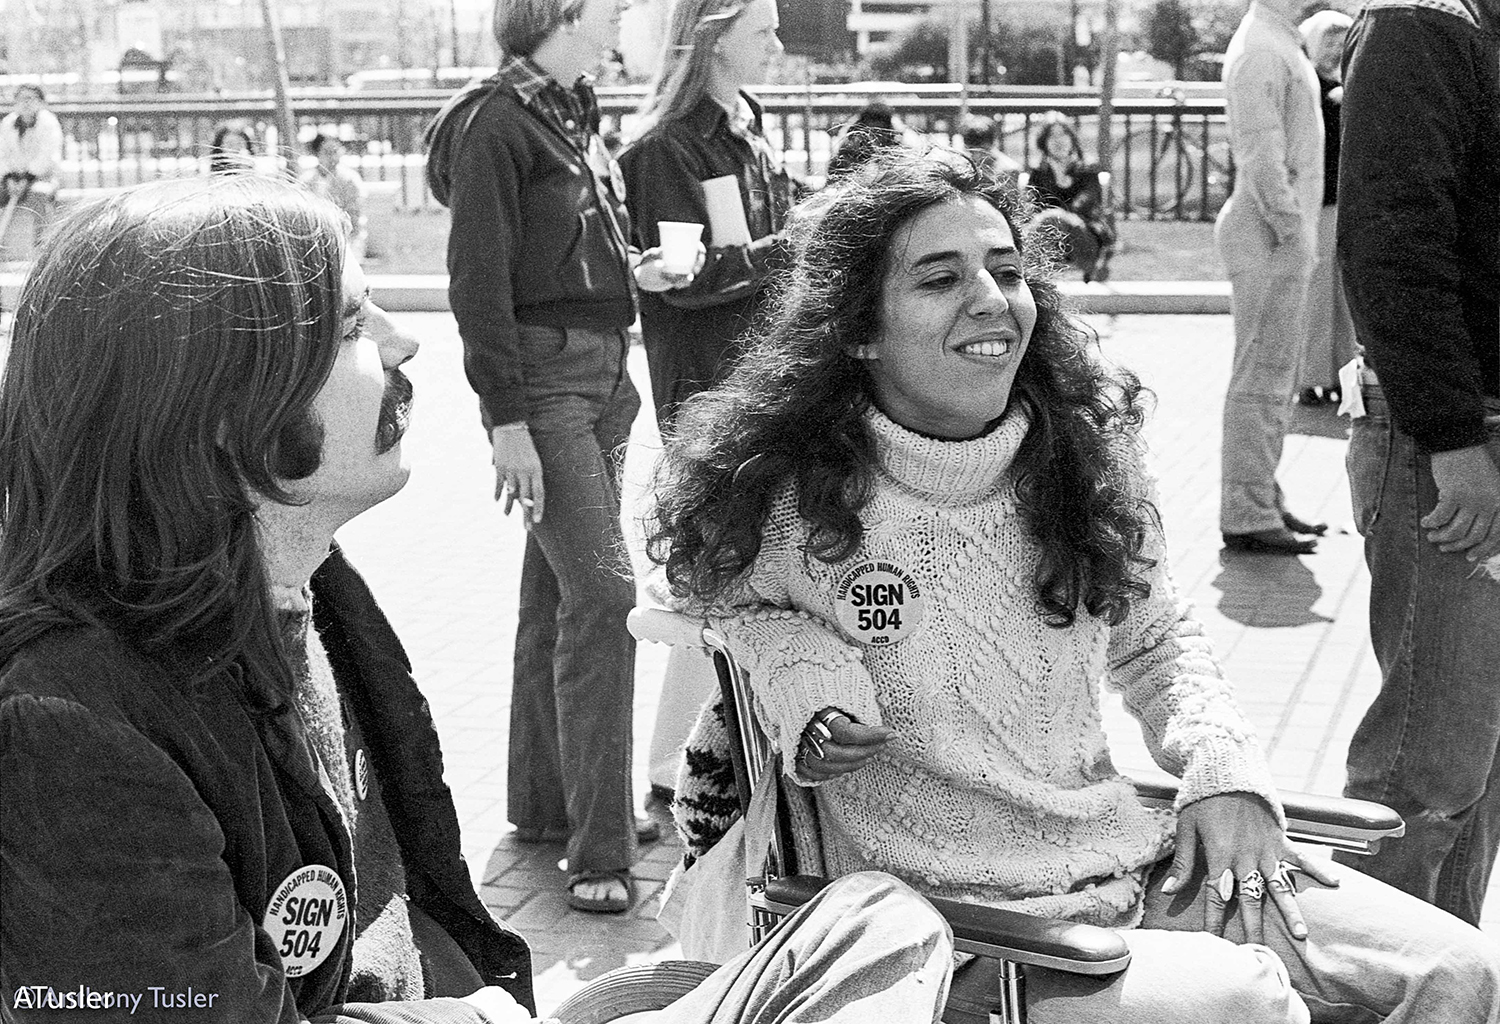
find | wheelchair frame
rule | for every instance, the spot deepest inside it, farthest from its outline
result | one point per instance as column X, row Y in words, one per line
column 1014, row 940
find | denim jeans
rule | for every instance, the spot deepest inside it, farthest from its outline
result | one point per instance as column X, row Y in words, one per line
column 1427, row 746
column 1373, row 954
column 867, row 948
column 1268, row 288
column 574, row 680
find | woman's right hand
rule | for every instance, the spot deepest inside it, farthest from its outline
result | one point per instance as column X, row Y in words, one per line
column 518, row 471
column 847, row 747
column 651, row 274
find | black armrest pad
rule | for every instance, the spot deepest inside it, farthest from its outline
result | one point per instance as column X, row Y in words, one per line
column 1304, row 809
column 1043, row 936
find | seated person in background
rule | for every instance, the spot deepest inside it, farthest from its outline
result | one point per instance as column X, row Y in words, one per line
column 341, row 185
column 208, row 729
column 917, row 512
column 874, row 130
column 232, row 149
column 982, row 143
column 1070, row 198
column 31, row 144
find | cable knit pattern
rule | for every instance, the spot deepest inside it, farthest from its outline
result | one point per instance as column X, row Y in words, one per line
column 999, row 787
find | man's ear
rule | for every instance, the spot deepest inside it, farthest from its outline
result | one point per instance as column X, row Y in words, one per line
column 866, row 352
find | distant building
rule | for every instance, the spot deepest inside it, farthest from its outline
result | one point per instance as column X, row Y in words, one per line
column 876, row 23
column 220, row 45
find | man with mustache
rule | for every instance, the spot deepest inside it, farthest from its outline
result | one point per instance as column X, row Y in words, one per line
column 209, row 732
column 222, row 790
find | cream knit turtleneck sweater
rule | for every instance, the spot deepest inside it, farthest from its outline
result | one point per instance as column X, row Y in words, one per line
column 998, row 787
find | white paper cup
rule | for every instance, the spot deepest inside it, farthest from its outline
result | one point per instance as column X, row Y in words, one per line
column 679, row 245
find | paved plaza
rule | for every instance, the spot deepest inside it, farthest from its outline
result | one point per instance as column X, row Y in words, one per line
column 446, row 564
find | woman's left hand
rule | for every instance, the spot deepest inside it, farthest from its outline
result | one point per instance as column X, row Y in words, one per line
column 1246, row 854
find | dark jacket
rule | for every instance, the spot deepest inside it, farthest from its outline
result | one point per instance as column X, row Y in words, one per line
column 1418, row 218
column 145, row 825
column 534, row 240
column 690, row 332
column 1333, row 111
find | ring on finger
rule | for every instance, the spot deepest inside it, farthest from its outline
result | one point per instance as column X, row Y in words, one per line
column 814, row 745
column 1253, row 886
column 1281, row 881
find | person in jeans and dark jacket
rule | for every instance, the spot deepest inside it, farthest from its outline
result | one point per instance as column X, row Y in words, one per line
column 701, row 131
column 1419, row 245
column 541, row 286
column 208, row 730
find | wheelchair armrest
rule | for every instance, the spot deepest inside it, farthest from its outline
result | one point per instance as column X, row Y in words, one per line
column 1354, row 825
column 992, row 932
column 664, row 626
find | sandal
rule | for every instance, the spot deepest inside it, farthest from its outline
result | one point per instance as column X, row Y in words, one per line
column 606, row 904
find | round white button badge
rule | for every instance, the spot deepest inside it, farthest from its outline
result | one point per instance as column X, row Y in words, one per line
column 879, row 603
column 306, row 917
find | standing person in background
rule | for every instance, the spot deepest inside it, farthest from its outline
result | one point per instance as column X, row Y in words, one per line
column 1330, row 331
column 1419, row 245
column 541, row 287
column 1266, row 233
column 232, row 149
column 31, row 144
column 700, row 130
column 341, row 185
column 700, row 155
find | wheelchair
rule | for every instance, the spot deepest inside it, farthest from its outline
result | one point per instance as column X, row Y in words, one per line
column 1014, row 941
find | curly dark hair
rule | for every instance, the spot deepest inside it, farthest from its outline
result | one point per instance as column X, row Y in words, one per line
column 794, row 410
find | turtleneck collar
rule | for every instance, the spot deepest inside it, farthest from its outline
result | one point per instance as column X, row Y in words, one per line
column 948, row 470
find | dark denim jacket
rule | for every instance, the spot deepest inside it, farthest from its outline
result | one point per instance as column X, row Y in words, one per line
column 145, row 826
column 689, row 331
column 1418, row 220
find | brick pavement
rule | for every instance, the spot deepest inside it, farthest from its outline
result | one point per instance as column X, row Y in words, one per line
column 446, row 564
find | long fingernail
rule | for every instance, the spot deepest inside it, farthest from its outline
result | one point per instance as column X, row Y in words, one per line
column 1226, row 884
column 1171, row 885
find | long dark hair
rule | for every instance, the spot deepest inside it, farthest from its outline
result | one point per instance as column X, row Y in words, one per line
column 794, row 411
column 220, row 160
column 166, row 352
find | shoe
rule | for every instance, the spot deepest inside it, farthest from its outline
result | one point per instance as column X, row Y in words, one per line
column 1310, row 396
column 606, row 904
column 646, row 831
column 1301, row 526
column 1269, row 542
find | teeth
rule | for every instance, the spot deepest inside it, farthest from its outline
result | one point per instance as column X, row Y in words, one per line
column 985, row 348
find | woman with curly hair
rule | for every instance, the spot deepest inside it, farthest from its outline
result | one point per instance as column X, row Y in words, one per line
column 917, row 512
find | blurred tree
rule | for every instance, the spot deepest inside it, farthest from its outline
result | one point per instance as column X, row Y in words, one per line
column 1025, row 48
column 1170, row 36
column 1191, row 35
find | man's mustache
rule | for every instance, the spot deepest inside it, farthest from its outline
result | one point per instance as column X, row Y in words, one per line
column 395, row 411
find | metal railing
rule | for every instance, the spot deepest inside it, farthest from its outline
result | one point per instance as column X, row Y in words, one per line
column 1170, row 161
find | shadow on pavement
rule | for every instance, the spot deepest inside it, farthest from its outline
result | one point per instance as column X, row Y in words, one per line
column 1267, row 591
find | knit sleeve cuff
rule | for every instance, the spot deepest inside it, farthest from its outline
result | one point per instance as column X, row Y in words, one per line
column 1228, row 764
column 797, row 667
